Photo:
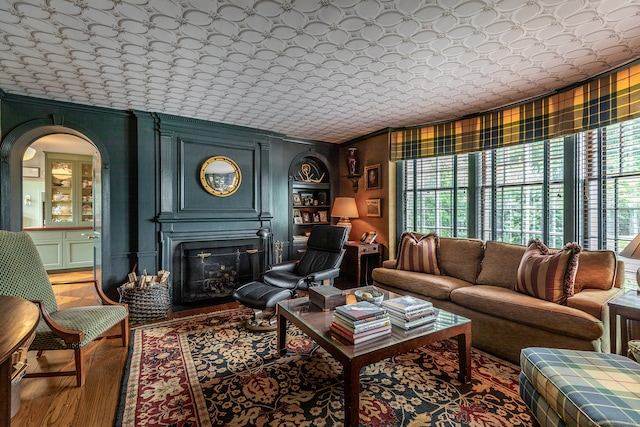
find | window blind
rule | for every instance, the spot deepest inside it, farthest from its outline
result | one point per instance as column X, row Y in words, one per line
column 436, row 195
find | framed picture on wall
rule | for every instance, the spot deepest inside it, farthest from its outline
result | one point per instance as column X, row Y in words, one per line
column 372, row 177
column 31, row 172
column 373, row 207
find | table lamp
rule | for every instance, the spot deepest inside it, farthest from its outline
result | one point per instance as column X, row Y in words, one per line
column 632, row 251
column 345, row 208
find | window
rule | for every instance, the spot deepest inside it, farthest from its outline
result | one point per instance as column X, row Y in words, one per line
column 521, row 193
column 435, row 196
column 609, row 172
column 527, row 191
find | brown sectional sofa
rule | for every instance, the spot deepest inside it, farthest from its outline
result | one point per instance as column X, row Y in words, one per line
column 478, row 281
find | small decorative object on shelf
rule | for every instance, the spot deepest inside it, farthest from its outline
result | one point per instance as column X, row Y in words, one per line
column 309, row 173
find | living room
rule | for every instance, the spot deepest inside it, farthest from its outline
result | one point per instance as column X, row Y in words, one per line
column 402, row 99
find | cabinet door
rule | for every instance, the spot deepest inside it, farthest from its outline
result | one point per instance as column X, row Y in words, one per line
column 59, row 202
column 78, row 253
column 86, row 193
column 69, row 190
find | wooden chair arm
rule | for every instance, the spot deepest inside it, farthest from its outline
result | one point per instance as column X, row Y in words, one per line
column 68, row 335
column 104, row 299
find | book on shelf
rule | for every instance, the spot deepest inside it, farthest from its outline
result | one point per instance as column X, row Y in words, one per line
column 404, row 324
column 362, row 327
column 360, row 338
column 359, row 310
column 406, row 304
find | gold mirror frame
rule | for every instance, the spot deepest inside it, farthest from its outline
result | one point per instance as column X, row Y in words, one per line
column 220, row 176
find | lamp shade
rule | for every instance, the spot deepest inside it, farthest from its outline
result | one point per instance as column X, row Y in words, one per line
column 633, row 249
column 345, row 207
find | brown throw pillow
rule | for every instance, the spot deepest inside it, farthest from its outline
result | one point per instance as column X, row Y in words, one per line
column 546, row 274
column 418, row 253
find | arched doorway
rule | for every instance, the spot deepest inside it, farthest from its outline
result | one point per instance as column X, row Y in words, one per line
column 12, row 149
column 58, row 200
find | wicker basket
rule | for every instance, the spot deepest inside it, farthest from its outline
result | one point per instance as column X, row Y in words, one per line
column 146, row 304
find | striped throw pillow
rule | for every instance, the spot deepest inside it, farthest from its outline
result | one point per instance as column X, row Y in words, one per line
column 418, row 253
column 547, row 274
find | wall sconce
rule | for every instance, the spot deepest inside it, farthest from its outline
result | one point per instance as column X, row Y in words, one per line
column 354, row 181
column 353, row 165
column 27, row 200
column 29, row 154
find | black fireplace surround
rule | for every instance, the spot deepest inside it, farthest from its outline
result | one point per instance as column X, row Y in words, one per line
column 208, row 267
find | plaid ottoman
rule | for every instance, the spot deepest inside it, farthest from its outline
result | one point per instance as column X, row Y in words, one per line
column 580, row 388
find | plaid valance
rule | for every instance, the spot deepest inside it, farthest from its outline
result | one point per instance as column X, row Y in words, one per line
column 600, row 102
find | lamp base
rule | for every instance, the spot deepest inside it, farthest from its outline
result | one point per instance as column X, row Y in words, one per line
column 344, row 222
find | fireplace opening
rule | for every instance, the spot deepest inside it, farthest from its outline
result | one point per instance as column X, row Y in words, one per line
column 211, row 271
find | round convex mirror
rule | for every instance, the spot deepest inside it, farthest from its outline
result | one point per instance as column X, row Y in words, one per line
column 220, row 176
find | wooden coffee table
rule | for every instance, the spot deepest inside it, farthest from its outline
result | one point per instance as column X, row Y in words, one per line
column 316, row 323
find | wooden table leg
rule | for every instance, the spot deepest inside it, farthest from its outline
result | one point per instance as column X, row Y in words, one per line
column 5, row 392
column 351, row 396
column 613, row 330
column 464, row 356
column 282, row 334
column 624, row 335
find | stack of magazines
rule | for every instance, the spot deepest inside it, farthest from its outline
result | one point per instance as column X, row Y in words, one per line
column 408, row 312
column 360, row 322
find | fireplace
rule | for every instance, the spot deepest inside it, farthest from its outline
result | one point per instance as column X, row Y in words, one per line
column 207, row 269
column 213, row 272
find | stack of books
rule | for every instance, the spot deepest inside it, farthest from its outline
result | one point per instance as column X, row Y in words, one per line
column 360, row 322
column 408, row 312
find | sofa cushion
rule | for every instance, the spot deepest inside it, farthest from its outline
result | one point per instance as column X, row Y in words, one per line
column 500, row 264
column 593, row 301
column 596, row 270
column 418, row 252
column 511, row 305
column 460, row 258
column 429, row 285
column 548, row 274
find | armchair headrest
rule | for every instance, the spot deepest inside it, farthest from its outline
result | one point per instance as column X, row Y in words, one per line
column 329, row 238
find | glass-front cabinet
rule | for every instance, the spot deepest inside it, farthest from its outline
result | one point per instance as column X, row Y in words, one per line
column 68, row 190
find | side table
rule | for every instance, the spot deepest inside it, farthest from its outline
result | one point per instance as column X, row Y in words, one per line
column 355, row 251
column 627, row 306
column 19, row 319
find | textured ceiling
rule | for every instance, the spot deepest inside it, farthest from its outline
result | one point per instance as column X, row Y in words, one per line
column 328, row 70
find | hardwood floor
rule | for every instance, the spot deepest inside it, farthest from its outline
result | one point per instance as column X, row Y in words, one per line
column 56, row 401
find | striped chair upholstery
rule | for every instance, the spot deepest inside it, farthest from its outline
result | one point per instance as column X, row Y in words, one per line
column 22, row 274
column 580, row 388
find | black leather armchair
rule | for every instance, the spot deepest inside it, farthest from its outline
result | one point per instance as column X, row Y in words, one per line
column 319, row 264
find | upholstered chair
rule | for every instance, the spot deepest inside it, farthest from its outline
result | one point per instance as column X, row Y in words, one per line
column 22, row 274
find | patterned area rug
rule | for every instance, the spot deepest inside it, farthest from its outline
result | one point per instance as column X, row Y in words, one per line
column 208, row 370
